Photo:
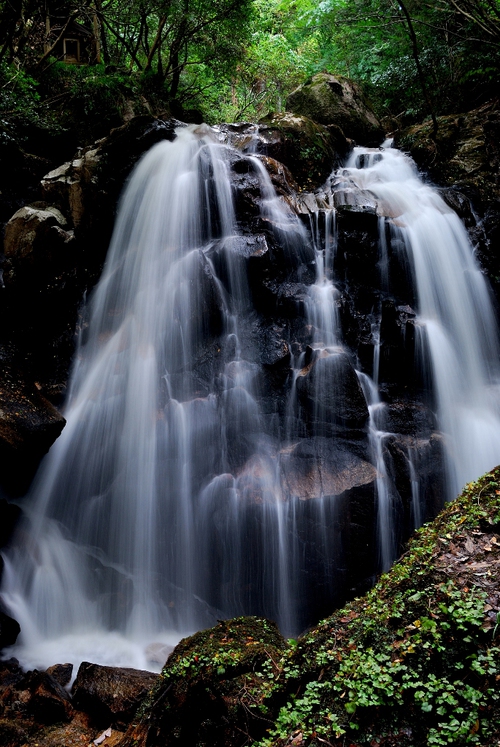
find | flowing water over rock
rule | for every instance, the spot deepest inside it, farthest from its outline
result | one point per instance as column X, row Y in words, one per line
column 232, row 435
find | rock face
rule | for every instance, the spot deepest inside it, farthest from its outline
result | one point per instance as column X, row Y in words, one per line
column 29, row 424
column 465, row 160
column 54, row 252
column 54, row 249
column 334, row 100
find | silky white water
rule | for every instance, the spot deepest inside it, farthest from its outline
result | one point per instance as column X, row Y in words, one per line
column 166, row 502
column 455, row 317
column 114, row 555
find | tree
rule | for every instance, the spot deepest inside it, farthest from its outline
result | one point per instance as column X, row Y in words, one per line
column 166, row 37
column 413, row 57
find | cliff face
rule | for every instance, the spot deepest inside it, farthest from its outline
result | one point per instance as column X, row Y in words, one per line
column 54, row 249
column 465, row 161
column 417, row 658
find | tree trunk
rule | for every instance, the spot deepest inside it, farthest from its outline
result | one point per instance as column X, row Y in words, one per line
column 421, row 75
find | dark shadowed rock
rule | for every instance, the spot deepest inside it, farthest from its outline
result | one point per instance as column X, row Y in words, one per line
column 9, row 516
column 335, row 100
column 33, row 695
column 61, row 673
column 9, row 630
column 420, row 459
column 49, row 701
column 29, row 424
column 34, row 237
column 329, row 391
column 110, row 695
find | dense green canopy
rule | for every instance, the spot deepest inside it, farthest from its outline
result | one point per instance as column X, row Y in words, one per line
column 238, row 59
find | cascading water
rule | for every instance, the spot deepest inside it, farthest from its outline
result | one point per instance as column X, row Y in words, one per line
column 454, row 309
column 455, row 318
column 177, row 493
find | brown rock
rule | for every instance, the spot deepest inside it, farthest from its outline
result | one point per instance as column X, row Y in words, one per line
column 66, row 185
column 49, row 701
column 61, row 673
column 111, row 695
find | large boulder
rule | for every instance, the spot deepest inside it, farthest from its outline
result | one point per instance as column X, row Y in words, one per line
column 36, row 238
column 110, row 695
column 335, row 100
column 310, row 150
column 319, row 467
column 204, row 694
column 329, row 392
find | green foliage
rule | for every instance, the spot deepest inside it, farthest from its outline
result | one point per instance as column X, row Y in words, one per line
column 19, row 97
column 369, row 40
column 90, row 100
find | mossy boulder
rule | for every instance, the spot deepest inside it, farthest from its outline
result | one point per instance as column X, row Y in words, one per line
column 335, row 100
column 311, row 151
column 205, row 695
column 465, row 153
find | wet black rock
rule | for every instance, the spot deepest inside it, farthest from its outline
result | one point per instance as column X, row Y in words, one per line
column 329, row 392
column 9, row 629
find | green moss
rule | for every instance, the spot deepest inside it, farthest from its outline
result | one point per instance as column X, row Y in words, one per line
column 211, row 688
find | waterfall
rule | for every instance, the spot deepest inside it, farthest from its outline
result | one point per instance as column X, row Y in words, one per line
column 176, row 493
column 454, row 308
